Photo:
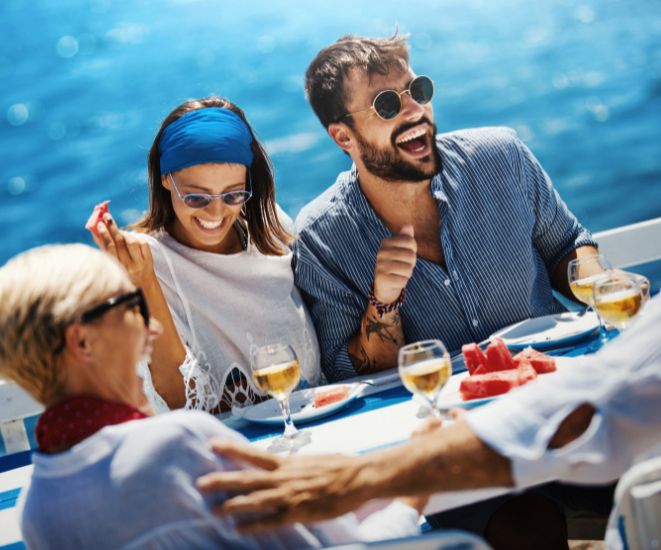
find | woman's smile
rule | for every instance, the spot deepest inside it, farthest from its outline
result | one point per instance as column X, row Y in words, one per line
column 210, row 226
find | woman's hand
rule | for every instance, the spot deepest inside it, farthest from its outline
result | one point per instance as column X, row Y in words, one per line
column 132, row 253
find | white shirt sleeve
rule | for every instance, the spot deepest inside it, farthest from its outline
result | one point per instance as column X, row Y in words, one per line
column 622, row 381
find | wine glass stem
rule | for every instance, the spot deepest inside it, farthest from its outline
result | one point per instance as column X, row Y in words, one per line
column 290, row 429
column 435, row 411
column 603, row 338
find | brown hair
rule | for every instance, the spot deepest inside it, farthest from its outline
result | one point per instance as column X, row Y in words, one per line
column 324, row 79
column 264, row 228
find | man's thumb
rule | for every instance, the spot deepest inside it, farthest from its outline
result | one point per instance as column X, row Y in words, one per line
column 407, row 230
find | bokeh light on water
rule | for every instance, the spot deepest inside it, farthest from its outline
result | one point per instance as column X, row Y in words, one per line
column 86, row 83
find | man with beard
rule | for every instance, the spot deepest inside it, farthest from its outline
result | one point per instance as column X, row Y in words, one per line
column 448, row 236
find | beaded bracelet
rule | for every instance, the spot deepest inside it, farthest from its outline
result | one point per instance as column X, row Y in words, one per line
column 382, row 308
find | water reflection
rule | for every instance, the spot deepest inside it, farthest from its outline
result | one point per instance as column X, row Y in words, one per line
column 86, row 83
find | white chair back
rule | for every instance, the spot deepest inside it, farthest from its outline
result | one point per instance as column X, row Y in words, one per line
column 638, row 504
column 634, row 244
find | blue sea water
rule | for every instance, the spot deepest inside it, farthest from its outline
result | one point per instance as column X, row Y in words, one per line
column 85, row 84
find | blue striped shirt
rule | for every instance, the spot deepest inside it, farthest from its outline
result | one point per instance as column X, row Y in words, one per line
column 503, row 229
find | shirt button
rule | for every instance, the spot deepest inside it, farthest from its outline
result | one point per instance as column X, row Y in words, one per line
column 455, row 275
column 447, row 282
column 475, row 323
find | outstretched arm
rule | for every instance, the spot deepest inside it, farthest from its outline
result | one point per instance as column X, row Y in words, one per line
column 311, row 488
column 299, row 488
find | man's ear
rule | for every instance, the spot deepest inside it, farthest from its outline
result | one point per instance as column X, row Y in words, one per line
column 76, row 338
column 342, row 135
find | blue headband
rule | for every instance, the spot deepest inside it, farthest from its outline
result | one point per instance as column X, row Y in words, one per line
column 205, row 135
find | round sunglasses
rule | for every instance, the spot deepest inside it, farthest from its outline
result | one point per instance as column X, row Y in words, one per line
column 388, row 103
column 200, row 200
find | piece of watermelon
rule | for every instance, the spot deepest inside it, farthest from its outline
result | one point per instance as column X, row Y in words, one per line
column 473, row 356
column 497, row 382
column 526, row 372
column 96, row 217
column 489, row 384
column 541, row 362
column 326, row 397
column 499, row 357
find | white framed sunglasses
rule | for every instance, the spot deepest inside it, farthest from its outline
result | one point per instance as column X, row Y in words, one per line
column 200, row 200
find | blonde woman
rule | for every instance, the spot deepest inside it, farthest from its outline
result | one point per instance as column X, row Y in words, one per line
column 73, row 327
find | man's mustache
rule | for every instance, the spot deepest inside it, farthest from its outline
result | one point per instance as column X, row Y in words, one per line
column 407, row 126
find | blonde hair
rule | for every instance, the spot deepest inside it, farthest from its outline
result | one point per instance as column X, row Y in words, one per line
column 43, row 291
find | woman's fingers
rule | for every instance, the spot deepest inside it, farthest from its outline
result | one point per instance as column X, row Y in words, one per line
column 107, row 242
column 145, row 252
column 99, row 239
column 123, row 251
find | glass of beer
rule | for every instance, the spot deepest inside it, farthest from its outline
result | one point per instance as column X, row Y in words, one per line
column 618, row 299
column 424, row 368
column 276, row 371
column 582, row 274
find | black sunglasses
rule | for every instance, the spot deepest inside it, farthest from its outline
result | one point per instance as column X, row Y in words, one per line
column 200, row 200
column 388, row 103
column 131, row 299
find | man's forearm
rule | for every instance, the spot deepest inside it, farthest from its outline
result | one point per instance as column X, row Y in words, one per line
column 374, row 347
column 451, row 459
column 559, row 279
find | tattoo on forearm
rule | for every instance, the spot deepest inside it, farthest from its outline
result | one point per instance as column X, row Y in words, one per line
column 363, row 364
column 374, row 325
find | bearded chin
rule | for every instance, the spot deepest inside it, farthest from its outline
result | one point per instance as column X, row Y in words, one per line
column 389, row 166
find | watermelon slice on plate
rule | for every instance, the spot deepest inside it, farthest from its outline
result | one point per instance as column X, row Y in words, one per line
column 474, row 357
column 496, row 383
column 325, row 397
column 498, row 356
column 541, row 362
column 494, row 372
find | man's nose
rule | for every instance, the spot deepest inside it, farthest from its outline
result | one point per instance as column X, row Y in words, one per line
column 410, row 107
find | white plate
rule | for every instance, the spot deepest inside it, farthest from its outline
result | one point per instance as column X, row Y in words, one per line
column 301, row 404
column 450, row 396
column 550, row 331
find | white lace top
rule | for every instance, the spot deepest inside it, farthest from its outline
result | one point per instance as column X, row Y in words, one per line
column 223, row 306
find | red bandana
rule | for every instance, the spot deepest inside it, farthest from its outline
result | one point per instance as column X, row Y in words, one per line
column 68, row 422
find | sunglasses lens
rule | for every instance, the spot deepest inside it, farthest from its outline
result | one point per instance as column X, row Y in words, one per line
column 235, row 198
column 387, row 104
column 422, row 89
column 196, row 201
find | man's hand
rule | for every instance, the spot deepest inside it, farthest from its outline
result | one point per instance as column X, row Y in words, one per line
column 395, row 261
column 285, row 490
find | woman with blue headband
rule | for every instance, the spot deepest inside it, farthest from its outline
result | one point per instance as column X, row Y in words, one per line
column 213, row 259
